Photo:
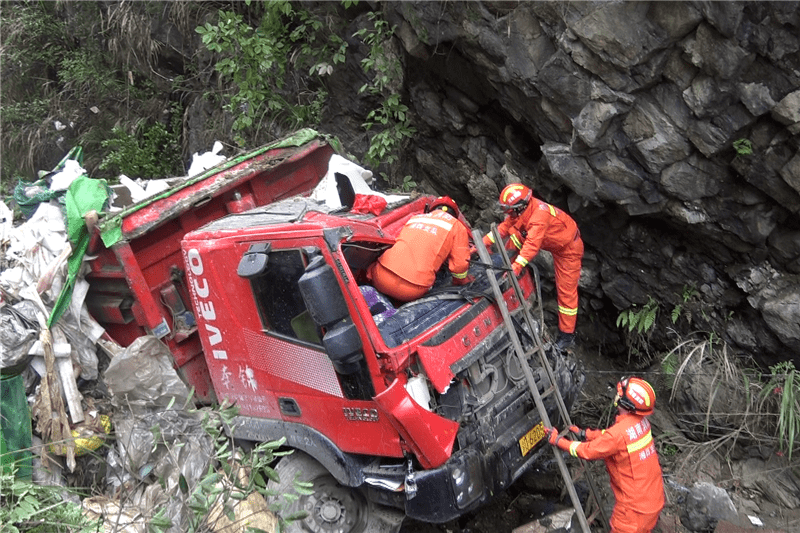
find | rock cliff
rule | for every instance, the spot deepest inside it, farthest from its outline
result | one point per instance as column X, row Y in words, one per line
column 668, row 130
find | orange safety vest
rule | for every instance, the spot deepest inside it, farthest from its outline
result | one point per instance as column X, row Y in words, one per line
column 545, row 227
column 631, row 460
column 423, row 245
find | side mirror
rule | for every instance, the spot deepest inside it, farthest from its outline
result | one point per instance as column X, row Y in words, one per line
column 321, row 293
column 254, row 260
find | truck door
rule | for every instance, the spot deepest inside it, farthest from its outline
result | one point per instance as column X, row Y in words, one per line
column 311, row 348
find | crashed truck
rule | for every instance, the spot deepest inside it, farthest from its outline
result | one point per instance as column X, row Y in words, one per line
column 253, row 274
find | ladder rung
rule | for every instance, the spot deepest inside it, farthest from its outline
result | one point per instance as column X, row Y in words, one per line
column 524, row 356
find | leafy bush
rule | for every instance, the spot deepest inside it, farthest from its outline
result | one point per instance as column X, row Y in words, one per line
column 151, row 151
column 255, row 60
column 25, row 506
column 237, row 472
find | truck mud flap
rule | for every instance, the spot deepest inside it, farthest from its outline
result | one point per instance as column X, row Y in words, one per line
column 430, row 436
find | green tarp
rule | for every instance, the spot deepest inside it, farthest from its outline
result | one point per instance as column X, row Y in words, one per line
column 84, row 194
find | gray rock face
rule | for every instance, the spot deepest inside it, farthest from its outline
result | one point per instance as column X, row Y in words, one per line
column 705, row 505
column 625, row 114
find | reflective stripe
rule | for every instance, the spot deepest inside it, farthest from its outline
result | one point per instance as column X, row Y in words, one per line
column 573, row 449
column 516, row 242
column 462, row 275
column 569, row 311
column 521, row 260
column 552, row 209
column 646, row 439
column 491, row 237
column 430, row 220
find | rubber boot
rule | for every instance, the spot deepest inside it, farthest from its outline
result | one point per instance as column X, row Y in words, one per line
column 564, row 340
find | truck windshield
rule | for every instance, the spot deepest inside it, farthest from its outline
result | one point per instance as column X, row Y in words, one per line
column 279, row 301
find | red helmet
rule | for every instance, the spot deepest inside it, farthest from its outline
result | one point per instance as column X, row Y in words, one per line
column 514, row 198
column 446, row 204
column 635, row 394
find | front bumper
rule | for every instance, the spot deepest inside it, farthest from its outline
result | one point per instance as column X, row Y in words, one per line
column 469, row 479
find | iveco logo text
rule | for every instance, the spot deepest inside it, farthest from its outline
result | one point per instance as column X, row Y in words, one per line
column 361, row 415
column 205, row 307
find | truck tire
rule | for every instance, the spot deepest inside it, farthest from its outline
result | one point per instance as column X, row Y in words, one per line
column 333, row 507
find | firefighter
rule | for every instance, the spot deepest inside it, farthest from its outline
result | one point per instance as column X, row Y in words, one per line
column 407, row 270
column 531, row 225
column 630, row 456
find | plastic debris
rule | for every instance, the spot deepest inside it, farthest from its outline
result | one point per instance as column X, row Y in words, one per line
column 206, row 160
column 142, row 377
column 343, row 181
column 87, row 436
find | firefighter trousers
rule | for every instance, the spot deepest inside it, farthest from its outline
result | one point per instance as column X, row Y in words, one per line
column 628, row 521
column 567, row 265
column 393, row 285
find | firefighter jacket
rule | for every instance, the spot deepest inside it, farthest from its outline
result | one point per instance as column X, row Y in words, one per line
column 631, row 460
column 542, row 226
column 423, row 245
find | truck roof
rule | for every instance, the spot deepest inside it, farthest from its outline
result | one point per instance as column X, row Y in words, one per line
column 307, row 210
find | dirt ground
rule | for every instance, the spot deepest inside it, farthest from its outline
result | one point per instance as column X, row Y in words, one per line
column 539, row 494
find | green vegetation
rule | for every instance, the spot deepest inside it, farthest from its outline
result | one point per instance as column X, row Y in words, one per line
column 256, row 60
column 26, row 506
column 233, row 475
column 151, row 151
column 68, row 81
column 637, row 324
column 639, row 320
column 391, row 119
column 408, row 184
column 743, row 405
column 92, row 74
column 689, row 292
column 784, row 388
column 743, row 147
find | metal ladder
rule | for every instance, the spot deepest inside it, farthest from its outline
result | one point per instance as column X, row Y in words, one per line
column 522, row 355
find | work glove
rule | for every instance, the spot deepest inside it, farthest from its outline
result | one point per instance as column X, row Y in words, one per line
column 580, row 433
column 472, row 250
column 552, row 436
column 463, row 281
column 517, row 268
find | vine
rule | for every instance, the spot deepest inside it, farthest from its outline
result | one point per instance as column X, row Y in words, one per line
column 391, row 118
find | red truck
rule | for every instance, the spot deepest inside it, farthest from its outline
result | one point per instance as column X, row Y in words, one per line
column 417, row 410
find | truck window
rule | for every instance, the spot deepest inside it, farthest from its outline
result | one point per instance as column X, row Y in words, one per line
column 280, row 304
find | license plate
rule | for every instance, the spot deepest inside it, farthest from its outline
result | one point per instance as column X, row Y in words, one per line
column 531, row 438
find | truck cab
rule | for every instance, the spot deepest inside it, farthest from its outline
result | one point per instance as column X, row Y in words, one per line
column 418, row 409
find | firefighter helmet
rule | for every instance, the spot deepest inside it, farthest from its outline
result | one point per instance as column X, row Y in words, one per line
column 635, row 394
column 446, row 204
column 515, row 198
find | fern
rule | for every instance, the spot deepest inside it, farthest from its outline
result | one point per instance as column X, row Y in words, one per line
column 639, row 321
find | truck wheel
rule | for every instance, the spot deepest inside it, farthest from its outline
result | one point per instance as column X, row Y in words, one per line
column 333, row 507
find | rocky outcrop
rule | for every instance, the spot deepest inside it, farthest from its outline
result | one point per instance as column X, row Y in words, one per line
column 628, row 115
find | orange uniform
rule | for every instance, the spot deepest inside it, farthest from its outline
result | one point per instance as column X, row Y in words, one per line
column 407, row 270
column 546, row 227
column 632, row 463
